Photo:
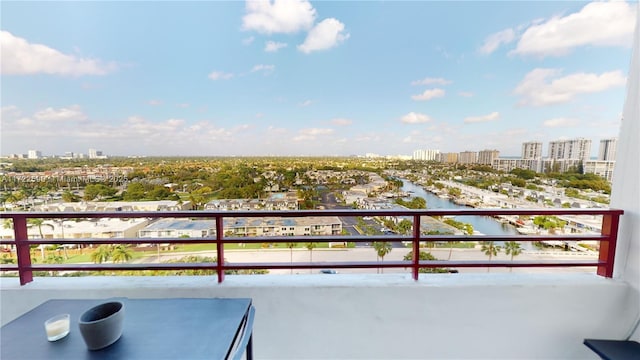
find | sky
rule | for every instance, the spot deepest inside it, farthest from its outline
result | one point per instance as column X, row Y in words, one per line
column 309, row 78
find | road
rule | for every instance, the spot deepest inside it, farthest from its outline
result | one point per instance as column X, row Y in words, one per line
column 368, row 254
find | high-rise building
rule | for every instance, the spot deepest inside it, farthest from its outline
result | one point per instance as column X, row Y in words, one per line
column 95, row 154
column 428, row 155
column 449, row 158
column 468, row 157
column 34, row 154
column 532, row 150
column 607, row 151
column 574, row 149
column 486, row 157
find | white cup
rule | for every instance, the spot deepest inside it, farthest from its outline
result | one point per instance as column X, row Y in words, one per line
column 57, row 327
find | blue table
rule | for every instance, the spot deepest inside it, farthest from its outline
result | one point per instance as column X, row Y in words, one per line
column 153, row 329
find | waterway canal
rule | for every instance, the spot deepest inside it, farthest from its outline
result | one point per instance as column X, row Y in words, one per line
column 483, row 224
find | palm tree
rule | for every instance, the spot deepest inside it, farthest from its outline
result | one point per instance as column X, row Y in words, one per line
column 310, row 246
column 60, row 222
column 512, row 248
column 490, row 249
column 39, row 222
column 291, row 245
column 121, row 253
column 54, row 259
column 382, row 248
column 101, row 254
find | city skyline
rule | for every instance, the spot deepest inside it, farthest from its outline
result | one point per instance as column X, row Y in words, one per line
column 310, row 78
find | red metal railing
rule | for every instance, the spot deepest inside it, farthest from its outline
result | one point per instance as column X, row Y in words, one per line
column 607, row 240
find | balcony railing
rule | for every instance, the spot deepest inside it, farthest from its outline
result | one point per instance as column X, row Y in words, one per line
column 25, row 268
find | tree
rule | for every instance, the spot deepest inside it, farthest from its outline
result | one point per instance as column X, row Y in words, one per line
column 490, row 249
column 428, row 257
column 415, row 203
column 54, row 259
column 549, row 223
column 101, row 254
column 512, row 248
column 382, row 248
column 455, row 192
column 121, row 253
column 200, row 196
column 310, row 246
column 38, row 222
column 135, row 191
column 404, row 226
column 291, row 245
column 68, row 196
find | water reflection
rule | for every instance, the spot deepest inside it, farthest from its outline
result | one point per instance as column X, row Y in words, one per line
column 483, row 224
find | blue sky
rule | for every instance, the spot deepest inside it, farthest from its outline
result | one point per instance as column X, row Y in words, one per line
column 310, row 78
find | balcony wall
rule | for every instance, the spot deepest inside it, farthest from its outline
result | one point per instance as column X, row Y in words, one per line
column 496, row 316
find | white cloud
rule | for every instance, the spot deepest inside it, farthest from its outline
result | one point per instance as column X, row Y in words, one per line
column 325, row 35
column 561, row 122
column 429, row 81
column 19, row 57
column 465, row 93
column 311, row 134
column 484, row 118
column 305, row 103
column 316, row 131
column 133, row 135
column 9, row 111
column 273, row 46
column 415, row 118
column 264, row 68
column 428, row 95
column 493, row 41
column 278, row 16
column 248, row 41
column 596, row 24
column 220, row 75
column 154, row 102
column 341, row 122
column 73, row 113
column 542, row 87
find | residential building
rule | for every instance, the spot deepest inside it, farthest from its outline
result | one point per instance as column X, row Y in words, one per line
column 468, row 157
column 34, row 154
column 486, row 157
column 607, row 151
column 507, row 165
column 426, row 155
column 574, row 149
column 449, row 158
column 601, row 168
column 275, row 201
column 175, row 228
column 532, row 150
column 274, row 226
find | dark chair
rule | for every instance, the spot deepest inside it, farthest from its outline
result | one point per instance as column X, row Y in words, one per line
column 246, row 338
column 614, row 349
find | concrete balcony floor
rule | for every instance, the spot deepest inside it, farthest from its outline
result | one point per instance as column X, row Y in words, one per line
column 388, row 316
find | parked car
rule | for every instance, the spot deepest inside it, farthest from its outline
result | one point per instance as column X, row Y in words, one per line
column 328, row 271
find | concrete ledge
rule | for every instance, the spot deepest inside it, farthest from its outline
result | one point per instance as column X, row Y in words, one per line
column 497, row 316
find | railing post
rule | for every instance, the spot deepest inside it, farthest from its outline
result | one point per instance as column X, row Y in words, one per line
column 219, row 248
column 607, row 251
column 415, row 268
column 23, row 251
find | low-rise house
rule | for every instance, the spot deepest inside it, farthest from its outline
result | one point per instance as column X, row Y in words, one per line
column 174, row 228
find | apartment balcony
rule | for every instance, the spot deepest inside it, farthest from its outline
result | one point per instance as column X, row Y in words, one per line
column 543, row 309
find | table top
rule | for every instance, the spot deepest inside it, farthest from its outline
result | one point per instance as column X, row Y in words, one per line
column 178, row 328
